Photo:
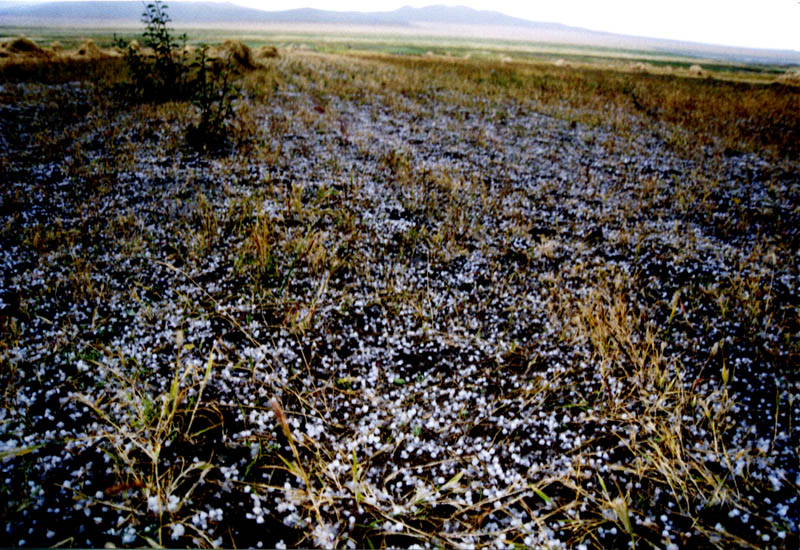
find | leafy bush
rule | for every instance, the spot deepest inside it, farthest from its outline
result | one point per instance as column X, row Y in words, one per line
column 160, row 76
column 168, row 73
column 213, row 94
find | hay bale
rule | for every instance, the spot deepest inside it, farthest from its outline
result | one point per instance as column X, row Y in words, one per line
column 696, row 70
column 240, row 53
column 266, row 52
column 131, row 47
column 89, row 50
column 23, row 48
column 791, row 76
column 214, row 53
column 24, row 45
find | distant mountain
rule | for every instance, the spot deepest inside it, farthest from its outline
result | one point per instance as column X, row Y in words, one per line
column 218, row 12
column 460, row 15
column 180, row 12
column 457, row 20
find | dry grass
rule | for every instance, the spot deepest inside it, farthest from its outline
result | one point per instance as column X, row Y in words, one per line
column 732, row 115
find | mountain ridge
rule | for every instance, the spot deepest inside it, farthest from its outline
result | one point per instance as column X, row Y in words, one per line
column 461, row 21
column 227, row 12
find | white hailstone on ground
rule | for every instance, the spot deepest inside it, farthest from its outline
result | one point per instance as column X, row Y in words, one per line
column 178, row 531
column 153, row 504
column 128, row 536
column 172, row 503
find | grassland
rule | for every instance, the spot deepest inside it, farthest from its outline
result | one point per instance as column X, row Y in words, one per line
column 333, row 39
column 423, row 300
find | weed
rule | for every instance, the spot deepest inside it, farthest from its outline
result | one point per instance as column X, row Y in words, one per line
column 213, row 95
column 158, row 74
column 165, row 70
column 141, row 429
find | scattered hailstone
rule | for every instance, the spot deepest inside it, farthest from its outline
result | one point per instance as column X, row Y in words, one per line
column 323, row 536
column 229, row 382
column 128, row 536
column 177, row 531
column 153, row 504
column 172, row 503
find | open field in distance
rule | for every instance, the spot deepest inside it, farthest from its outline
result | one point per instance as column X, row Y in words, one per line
column 462, row 42
column 446, row 300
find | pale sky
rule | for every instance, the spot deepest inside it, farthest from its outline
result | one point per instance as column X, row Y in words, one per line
column 746, row 23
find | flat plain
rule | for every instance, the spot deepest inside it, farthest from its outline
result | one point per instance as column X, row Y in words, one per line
column 455, row 297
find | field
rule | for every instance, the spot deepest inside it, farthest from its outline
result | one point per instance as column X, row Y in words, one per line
column 437, row 300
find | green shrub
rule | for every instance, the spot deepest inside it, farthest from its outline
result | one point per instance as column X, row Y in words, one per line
column 163, row 71
column 213, row 94
column 160, row 76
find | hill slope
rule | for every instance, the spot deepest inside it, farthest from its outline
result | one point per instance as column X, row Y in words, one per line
column 199, row 12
